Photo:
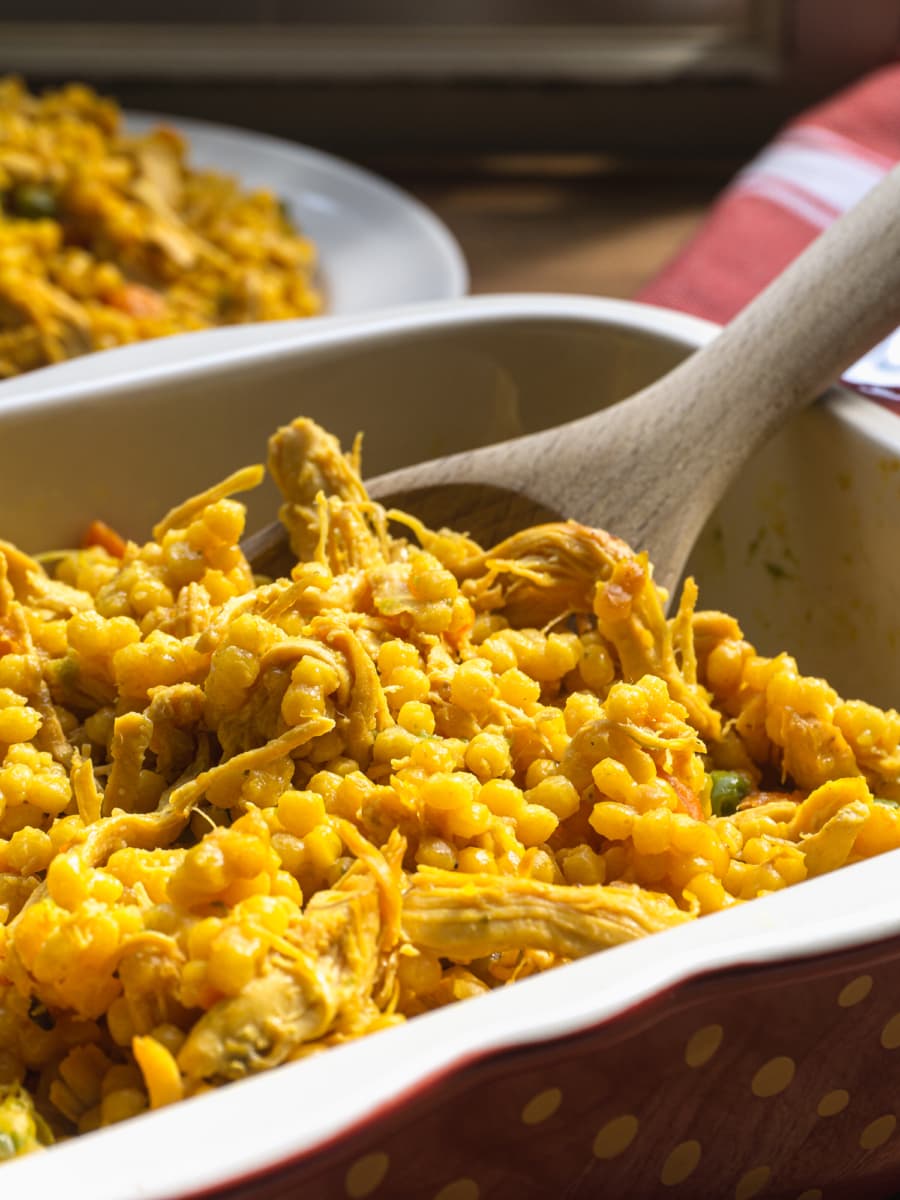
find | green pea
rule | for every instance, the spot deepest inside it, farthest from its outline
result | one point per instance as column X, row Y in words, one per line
column 225, row 300
column 728, row 789
column 34, row 201
column 40, row 1014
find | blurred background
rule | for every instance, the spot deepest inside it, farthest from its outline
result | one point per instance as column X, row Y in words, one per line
column 569, row 145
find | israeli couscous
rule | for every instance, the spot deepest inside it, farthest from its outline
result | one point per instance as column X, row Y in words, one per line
column 242, row 820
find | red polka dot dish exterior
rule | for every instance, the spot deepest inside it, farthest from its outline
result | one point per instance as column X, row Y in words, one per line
column 777, row 1081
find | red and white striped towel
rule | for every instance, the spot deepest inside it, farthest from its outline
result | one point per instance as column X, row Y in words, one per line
column 817, row 167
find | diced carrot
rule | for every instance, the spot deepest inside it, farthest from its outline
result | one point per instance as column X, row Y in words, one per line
column 137, row 300
column 689, row 802
column 98, row 533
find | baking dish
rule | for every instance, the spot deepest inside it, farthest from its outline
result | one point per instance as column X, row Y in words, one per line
column 750, row 1053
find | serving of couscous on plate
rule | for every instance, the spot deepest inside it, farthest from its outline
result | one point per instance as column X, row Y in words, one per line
column 108, row 237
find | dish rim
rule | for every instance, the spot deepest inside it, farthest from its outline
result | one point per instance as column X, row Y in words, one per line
column 445, row 1042
column 190, row 355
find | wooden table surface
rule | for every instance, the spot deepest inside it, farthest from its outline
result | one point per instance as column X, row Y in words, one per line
column 600, row 235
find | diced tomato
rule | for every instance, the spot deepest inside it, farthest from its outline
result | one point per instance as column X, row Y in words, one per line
column 687, row 800
column 98, row 533
column 137, row 301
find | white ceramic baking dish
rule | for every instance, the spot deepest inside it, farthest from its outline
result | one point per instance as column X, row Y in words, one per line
column 582, row 1082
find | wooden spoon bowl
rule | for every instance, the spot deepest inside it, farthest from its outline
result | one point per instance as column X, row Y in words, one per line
column 653, row 467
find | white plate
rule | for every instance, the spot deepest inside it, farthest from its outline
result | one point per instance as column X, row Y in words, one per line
column 377, row 246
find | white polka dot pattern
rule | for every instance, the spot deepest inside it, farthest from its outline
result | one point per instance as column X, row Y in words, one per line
column 855, row 991
column 752, row 1183
column 616, row 1136
column 681, row 1163
column 703, row 1045
column 365, row 1175
column 773, row 1077
column 877, row 1132
column 459, row 1189
column 833, row 1102
column 541, row 1107
column 890, row 1035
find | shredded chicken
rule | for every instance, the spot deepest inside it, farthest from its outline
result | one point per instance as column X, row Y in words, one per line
column 469, row 917
column 318, row 977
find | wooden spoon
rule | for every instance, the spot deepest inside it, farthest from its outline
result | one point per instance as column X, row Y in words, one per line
column 653, row 467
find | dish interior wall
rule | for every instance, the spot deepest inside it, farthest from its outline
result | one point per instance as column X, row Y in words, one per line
column 799, row 550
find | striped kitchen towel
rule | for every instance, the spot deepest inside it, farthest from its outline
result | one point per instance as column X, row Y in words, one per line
column 815, row 169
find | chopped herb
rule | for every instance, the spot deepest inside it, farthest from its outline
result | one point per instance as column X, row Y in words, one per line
column 40, row 1014
column 68, row 671
column 34, row 201
column 226, row 300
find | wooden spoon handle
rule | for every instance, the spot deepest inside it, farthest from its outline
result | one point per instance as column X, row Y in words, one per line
column 831, row 305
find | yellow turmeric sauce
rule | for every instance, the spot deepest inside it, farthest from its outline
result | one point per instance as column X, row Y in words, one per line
column 242, row 820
